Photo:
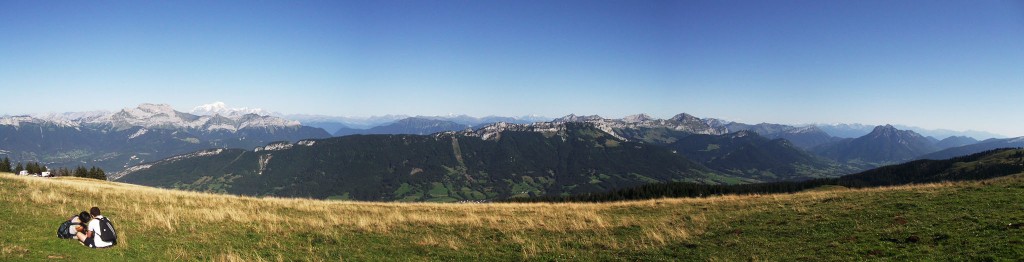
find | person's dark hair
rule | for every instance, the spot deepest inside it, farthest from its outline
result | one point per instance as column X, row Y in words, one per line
column 83, row 217
column 95, row 211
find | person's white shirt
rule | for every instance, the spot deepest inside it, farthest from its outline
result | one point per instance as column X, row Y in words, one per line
column 72, row 229
column 94, row 226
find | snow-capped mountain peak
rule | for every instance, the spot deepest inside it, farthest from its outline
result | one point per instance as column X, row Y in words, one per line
column 220, row 108
column 155, row 116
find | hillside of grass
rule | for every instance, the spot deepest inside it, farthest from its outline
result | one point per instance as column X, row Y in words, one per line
column 980, row 220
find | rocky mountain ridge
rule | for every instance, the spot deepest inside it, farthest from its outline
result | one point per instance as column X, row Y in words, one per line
column 154, row 116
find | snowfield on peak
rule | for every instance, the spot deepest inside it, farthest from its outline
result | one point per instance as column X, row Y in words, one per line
column 220, row 108
column 274, row 147
column 156, row 116
column 17, row 120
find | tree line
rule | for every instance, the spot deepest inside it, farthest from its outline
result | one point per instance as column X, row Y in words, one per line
column 37, row 168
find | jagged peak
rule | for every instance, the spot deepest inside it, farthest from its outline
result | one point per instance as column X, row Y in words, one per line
column 684, row 117
column 575, row 118
column 148, row 110
column 637, row 118
column 890, row 130
column 886, row 127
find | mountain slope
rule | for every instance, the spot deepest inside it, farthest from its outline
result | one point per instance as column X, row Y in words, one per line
column 980, row 166
column 885, row 144
column 986, row 145
column 955, row 141
column 805, row 137
column 747, row 154
column 573, row 158
column 983, row 165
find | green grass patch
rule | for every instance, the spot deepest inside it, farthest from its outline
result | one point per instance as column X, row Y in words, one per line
column 967, row 221
column 438, row 189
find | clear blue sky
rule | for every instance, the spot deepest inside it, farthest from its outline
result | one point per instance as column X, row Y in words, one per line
column 935, row 64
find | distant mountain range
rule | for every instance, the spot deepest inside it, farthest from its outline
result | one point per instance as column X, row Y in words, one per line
column 858, row 130
column 149, row 132
column 220, row 108
column 448, row 158
column 411, row 126
column 569, row 155
column 885, row 144
column 358, row 125
column 804, row 136
column 986, row 145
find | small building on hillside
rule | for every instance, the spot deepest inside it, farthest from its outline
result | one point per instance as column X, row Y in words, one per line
column 23, row 173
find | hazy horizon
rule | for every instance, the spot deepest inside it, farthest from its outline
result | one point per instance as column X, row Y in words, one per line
column 981, row 134
column 953, row 65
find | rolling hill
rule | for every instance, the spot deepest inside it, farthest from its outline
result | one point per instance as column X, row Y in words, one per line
column 976, row 221
column 955, row 141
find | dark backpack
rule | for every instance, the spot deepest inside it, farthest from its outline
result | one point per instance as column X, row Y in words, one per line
column 107, row 233
column 62, row 230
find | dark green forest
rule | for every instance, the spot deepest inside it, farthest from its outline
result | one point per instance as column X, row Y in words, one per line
column 979, row 166
column 441, row 167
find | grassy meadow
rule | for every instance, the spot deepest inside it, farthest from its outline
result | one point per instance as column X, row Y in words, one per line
column 943, row 221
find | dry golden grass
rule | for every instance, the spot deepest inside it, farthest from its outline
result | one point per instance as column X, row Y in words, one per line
column 460, row 225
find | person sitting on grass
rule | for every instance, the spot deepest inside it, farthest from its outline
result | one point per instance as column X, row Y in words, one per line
column 74, row 224
column 100, row 232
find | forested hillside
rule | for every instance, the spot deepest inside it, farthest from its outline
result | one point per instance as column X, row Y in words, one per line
column 442, row 167
column 979, row 166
